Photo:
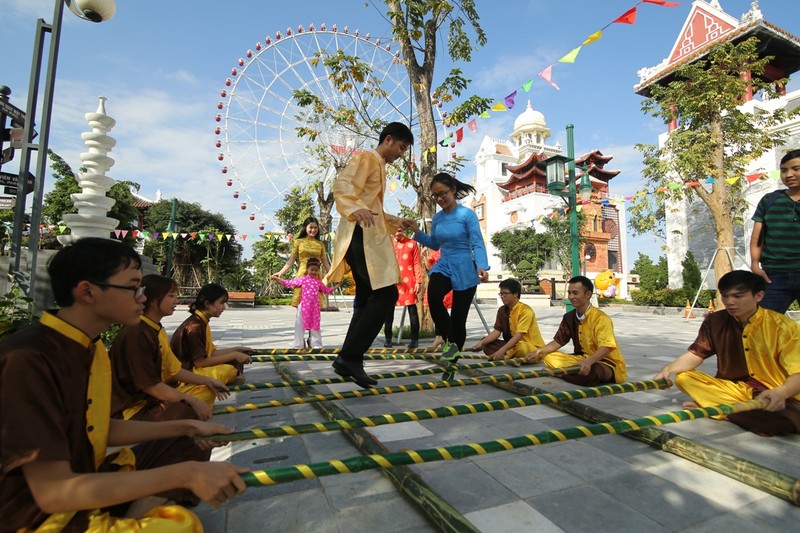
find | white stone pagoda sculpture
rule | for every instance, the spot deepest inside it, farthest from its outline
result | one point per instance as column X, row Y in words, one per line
column 92, row 202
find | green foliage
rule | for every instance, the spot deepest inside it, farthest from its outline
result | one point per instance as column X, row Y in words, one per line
column 241, row 279
column 671, row 297
column 269, row 256
column 692, row 278
column 524, row 245
column 109, row 335
column 423, row 333
column 559, row 230
column 16, row 311
column 195, row 261
column 273, row 300
column 713, row 138
column 298, row 206
column 652, row 277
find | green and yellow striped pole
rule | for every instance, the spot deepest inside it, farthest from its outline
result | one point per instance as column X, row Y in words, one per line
column 440, row 412
column 368, row 357
column 352, row 465
column 302, row 351
column 411, row 387
column 386, row 375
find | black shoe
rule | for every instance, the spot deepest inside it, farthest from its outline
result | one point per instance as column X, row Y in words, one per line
column 387, row 344
column 357, row 374
column 413, row 344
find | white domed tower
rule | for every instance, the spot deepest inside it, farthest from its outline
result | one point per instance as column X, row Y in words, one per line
column 530, row 132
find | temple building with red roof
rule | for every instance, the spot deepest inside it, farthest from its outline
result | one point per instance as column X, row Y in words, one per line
column 511, row 192
column 689, row 226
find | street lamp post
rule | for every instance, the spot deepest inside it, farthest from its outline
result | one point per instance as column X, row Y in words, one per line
column 554, row 167
column 94, row 11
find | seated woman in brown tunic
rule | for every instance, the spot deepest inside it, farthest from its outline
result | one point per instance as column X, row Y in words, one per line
column 194, row 346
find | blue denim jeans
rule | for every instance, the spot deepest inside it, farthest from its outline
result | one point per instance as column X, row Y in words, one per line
column 784, row 289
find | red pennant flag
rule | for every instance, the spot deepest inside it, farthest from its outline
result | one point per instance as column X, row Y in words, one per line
column 193, row 235
column 629, row 17
column 662, row 3
column 472, row 125
column 135, row 233
column 753, row 177
column 459, row 134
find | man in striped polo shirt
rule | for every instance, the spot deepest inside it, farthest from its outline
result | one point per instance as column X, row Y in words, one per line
column 775, row 243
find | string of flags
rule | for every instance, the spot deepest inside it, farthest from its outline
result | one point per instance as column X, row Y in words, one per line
column 673, row 186
column 164, row 235
column 507, row 103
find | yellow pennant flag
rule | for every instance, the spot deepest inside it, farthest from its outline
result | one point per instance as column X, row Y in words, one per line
column 732, row 180
column 229, row 236
column 570, row 57
column 220, row 236
column 393, row 186
column 498, row 107
column 593, row 37
column 165, row 235
column 432, row 149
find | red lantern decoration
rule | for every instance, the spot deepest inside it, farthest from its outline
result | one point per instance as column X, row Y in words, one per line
column 217, row 130
column 258, row 46
column 220, row 156
column 252, row 216
column 261, row 227
column 225, row 171
column 223, row 93
column 220, row 105
column 218, row 144
column 236, row 194
column 228, row 82
column 234, row 72
column 218, row 117
column 249, row 54
column 244, row 206
column 229, row 182
column 268, row 40
column 452, row 145
column 241, row 62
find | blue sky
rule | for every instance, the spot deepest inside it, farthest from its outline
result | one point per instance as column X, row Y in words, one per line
column 162, row 65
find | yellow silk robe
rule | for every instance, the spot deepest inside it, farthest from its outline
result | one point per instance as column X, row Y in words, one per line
column 361, row 185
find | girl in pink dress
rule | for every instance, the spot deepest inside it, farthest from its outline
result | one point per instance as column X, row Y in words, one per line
column 308, row 311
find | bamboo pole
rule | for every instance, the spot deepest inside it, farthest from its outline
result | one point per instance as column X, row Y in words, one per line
column 758, row 476
column 367, row 357
column 387, row 375
column 439, row 412
column 411, row 387
column 351, row 465
column 302, row 351
column 441, row 513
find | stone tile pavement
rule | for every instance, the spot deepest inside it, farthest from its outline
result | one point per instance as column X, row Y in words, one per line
column 604, row 483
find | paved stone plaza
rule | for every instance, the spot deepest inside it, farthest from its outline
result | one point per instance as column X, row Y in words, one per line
column 603, row 483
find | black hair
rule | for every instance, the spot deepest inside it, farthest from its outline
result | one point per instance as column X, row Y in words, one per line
column 512, row 285
column 92, row 259
column 156, row 287
column 583, row 280
column 208, row 293
column 461, row 189
column 313, row 261
column 791, row 154
column 741, row 279
column 398, row 131
column 302, row 234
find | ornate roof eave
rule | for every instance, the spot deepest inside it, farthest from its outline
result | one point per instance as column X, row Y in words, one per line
column 529, row 163
column 788, row 44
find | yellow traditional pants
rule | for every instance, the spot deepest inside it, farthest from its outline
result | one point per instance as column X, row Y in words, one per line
column 199, row 391
column 224, row 373
column 164, row 519
column 561, row 360
column 521, row 349
column 707, row 391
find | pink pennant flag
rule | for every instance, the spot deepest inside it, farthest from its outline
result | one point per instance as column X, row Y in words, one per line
column 117, row 232
column 183, row 235
column 472, row 125
column 124, row 233
column 547, row 74
column 459, row 135
column 510, row 100
column 244, row 237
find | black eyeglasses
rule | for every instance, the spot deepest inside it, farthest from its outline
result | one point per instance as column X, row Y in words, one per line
column 501, row 293
column 437, row 195
column 137, row 291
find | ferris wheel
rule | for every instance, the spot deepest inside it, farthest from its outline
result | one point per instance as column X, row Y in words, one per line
column 261, row 153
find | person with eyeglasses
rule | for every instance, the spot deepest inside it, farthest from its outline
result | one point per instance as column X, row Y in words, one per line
column 775, row 242
column 194, row 346
column 56, row 380
column 150, row 383
column 463, row 263
column 515, row 323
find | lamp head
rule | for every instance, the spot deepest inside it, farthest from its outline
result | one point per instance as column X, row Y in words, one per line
column 92, row 10
column 586, row 187
column 554, row 168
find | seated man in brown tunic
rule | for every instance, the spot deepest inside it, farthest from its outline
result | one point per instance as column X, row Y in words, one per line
column 758, row 356
column 55, row 423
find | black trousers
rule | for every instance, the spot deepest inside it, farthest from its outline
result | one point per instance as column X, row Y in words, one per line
column 413, row 322
column 451, row 327
column 371, row 306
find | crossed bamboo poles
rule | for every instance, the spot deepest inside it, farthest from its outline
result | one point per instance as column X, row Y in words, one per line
column 440, row 412
column 412, row 387
column 360, row 463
